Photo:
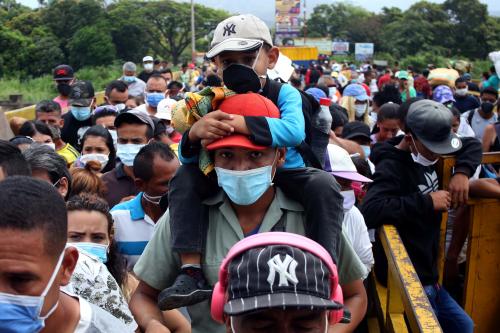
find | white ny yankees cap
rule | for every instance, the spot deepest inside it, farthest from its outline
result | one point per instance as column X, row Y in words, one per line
column 278, row 276
column 239, row 33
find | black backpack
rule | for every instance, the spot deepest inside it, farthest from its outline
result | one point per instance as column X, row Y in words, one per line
column 310, row 108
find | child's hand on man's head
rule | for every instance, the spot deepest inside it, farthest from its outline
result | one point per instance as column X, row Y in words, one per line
column 211, row 127
column 239, row 124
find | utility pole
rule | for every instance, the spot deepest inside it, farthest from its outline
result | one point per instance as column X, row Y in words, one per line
column 305, row 24
column 193, row 39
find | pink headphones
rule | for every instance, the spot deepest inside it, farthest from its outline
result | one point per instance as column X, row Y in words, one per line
column 275, row 238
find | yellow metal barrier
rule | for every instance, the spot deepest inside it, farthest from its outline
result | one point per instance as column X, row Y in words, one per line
column 28, row 112
column 406, row 297
column 482, row 278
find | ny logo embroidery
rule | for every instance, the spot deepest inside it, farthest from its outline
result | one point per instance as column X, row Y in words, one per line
column 286, row 270
column 229, row 29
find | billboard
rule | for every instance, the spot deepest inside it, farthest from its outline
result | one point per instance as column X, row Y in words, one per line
column 363, row 51
column 340, row 48
column 324, row 45
column 287, row 17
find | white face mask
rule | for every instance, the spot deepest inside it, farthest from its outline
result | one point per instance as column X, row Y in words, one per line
column 148, row 67
column 101, row 158
column 349, row 199
column 420, row 159
column 360, row 110
column 461, row 92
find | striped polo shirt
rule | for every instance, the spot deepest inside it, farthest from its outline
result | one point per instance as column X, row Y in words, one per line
column 133, row 229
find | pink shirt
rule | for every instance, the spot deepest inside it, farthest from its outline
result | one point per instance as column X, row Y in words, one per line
column 64, row 103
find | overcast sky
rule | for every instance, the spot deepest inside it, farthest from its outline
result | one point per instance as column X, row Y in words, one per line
column 265, row 8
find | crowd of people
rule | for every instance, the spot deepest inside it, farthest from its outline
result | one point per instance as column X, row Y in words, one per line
column 215, row 199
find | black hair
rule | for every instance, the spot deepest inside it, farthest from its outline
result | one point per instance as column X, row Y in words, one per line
column 455, row 112
column 157, row 75
column 212, row 80
column 29, row 204
column 388, row 94
column 143, row 162
column 295, row 82
column 493, row 70
column 117, row 85
column 47, row 106
column 174, row 84
column 102, row 132
column 390, row 111
column 32, row 127
column 91, row 202
column 339, row 119
column 166, row 70
column 156, row 62
column 461, row 79
column 487, row 90
column 104, row 112
column 135, row 121
column 362, row 166
column 403, row 110
column 41, row 157
column 12, row 160
column 324, row 88
column 425, row 73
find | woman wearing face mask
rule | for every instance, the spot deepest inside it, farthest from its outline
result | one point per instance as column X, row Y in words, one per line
column 355, row 101
column 39, row 132
column 97, row 145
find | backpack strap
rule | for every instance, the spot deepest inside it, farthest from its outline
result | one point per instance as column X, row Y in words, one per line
column 273, row 90
column 470, row 116
column 497, row 130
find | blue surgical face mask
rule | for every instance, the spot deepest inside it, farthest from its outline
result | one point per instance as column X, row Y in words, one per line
column 127, row 152
column 100, row 251
column 154, row 98
column 81, row 113
column 22, row 313
column 128, row 79
column 367, row 151
column 245, row 187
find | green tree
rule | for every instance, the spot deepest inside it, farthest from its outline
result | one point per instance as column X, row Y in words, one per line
column 91, row 46
column 169, row 25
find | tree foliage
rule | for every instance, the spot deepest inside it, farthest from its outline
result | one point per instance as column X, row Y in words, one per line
column 455, row 28
column 96, row 32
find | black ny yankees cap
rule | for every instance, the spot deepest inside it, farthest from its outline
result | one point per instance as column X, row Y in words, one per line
column 278, row 276
column 239, row 33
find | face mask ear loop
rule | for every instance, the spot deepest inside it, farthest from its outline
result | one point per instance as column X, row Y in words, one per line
column 255, row 62
column 49, row 285
column 414, row 144
column 276, row 169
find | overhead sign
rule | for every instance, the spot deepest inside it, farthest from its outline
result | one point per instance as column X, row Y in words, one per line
column 324, row 45
column 340, row 48
column 363, row 51
column 287, row 17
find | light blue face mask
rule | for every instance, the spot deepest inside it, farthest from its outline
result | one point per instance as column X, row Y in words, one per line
column 367, row 151
column 154, row 98
column 81, row 113
column 21, row 313
column 99, row 251
column 127, row 153
column 128, row 79
column 245, row 187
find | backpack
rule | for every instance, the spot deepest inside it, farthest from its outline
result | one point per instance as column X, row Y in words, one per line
column 310, row 109
column 470, row 116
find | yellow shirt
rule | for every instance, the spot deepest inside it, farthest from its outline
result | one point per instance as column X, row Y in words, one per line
column 69, row 153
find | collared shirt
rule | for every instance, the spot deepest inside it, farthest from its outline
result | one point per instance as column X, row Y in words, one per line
column 69, row 153
column 133, row 229
column 118, row 185
column 136, row 88
column 159, row 265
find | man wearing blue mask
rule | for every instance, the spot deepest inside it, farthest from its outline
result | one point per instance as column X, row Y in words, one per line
column 135, row 129
column 78, row 120
column 247, row 203
column 135, row 85
column 155, row 92
column 135, row 220
column 35, row 263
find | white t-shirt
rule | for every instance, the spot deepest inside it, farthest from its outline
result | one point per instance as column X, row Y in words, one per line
column 355, row 228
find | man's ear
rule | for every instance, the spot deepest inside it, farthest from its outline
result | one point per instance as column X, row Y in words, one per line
column 63, row 187
column 61, row 122
column 68, row 264
column 273, row 55
column 281, row 157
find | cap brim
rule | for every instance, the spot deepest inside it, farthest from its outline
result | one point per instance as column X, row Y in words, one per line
column 356, row 135
column 64, row 78
column 448, row 146
column 234, row 44
column 80, row 102
column 362, row 97
column 235, row 140
column 279, row 300
column 351, row 176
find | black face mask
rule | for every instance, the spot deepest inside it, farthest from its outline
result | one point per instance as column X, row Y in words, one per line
column 487, row 107
column 64, row 89
column 241, row 79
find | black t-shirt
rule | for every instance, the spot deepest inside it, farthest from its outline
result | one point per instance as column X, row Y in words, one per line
column 73, row 129
column 144, row 76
